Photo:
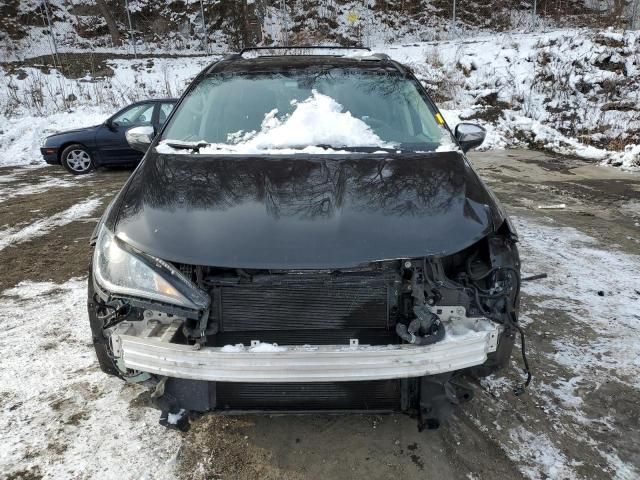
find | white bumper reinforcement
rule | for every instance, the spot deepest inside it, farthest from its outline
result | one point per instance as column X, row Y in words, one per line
column 270, row 363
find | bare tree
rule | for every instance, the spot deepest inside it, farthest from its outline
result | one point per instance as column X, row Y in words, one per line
column 111, row 23
column 620, row 6
column 635, row 12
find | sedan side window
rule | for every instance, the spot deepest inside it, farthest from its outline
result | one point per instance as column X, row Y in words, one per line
column 138, row 115
column 165, row 110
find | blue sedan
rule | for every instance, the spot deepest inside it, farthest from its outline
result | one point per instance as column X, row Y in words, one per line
column 84, row 149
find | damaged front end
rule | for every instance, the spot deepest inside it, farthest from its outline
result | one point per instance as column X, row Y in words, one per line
column 394, row 335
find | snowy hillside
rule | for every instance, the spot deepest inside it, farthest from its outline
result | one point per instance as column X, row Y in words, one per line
column 574, row 92
column 80, row 25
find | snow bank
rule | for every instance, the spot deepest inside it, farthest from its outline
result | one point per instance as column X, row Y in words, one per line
column 32, row 91
column 22, row 137
column 36, row 104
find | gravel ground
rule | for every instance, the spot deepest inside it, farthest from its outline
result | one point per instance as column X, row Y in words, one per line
column 62, row 418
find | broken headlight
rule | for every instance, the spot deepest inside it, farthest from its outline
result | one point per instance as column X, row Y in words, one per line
column 122, row 270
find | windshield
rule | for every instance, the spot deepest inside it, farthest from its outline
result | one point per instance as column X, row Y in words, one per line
column 308, row 110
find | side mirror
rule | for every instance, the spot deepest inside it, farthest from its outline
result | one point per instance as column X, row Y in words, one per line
column 139, row 138
column 470, row 135
column 109, row 124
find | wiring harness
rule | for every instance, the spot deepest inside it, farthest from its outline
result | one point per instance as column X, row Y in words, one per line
column 504, row 297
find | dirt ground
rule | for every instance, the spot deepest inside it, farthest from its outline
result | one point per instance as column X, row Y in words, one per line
column 591, row 432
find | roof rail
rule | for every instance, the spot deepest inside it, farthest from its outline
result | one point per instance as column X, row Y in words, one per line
column 302, row 47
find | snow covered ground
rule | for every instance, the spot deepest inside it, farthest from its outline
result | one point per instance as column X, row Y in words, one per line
column 60, row 417
column 605, row 303
column 16, row 235
column 573, row 92
column 63, row 417
column 596, row 346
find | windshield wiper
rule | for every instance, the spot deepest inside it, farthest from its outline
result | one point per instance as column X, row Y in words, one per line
column 363, row 149
column 198, row 145
column 180, row 145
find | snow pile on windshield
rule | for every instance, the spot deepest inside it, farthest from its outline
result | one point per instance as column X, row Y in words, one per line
column 318, row 124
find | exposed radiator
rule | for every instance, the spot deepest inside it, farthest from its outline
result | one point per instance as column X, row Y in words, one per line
column 303, row 307
column 304, row 313
column 371, row 395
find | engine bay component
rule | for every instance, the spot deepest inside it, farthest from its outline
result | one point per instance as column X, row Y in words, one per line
column 425, row 329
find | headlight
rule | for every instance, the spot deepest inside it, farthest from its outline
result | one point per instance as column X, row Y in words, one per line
column 511, row 227
column 120, row 269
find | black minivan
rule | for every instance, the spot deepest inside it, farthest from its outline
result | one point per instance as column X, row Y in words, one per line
column 305, row 233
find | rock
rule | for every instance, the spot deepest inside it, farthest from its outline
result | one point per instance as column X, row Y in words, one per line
column 619, row 106
column 488, row 99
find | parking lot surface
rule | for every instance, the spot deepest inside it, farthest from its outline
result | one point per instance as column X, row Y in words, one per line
column 580, row 224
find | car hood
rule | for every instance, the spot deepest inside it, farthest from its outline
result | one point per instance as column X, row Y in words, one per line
column 307, row 212
column 75, row 130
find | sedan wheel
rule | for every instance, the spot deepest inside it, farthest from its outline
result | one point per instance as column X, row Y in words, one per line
column 76, row 159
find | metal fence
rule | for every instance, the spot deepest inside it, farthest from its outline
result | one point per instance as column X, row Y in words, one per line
column 67, row 28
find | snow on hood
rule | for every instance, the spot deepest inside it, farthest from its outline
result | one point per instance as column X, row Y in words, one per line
column 318, row 120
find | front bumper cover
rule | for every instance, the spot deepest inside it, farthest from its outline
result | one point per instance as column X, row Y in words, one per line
column 50, row 155
column 335, row 363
